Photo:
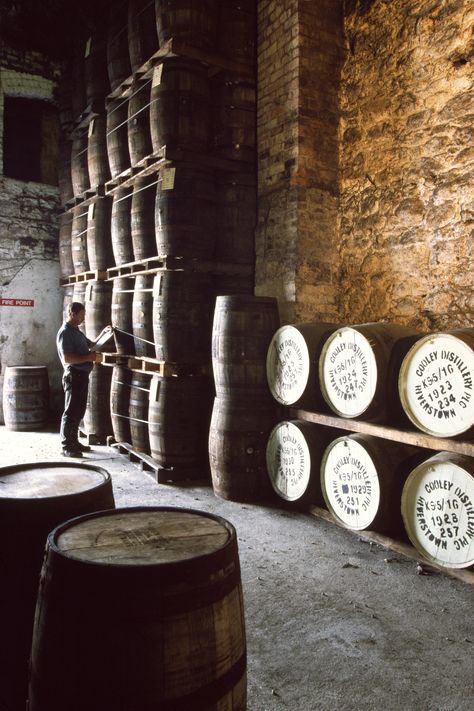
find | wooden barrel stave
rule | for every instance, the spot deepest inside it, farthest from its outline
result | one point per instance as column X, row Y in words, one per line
column 99, row 239
column 142, row 33
column 142, row 218
column 117, row 137
column 66, row 265
column 97, row 157
column 179, row 415
column 121, row 227
column 120, row 403
column 122, row 315
column 97, row 420
column 138, row 411
column 139, row 134
column 142, row 316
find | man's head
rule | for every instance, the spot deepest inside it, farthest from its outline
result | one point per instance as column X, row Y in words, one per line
column 76, row 313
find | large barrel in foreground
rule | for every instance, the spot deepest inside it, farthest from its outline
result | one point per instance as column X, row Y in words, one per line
column 34, row 498
column 166, row 580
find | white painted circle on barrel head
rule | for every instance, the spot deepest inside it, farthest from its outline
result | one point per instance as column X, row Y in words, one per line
column 350, row 483
column 43, row 481
column 438, row 513
column 288, row 365
column 436, row 385
column 348, row 372
column 288, row 461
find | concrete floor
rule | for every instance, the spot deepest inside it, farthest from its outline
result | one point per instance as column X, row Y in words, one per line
column 333, row 622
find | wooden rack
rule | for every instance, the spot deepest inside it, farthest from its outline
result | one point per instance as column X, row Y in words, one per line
column 414, row 438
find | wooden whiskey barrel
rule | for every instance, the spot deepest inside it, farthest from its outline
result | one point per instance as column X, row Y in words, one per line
column 97, row 157
column 97, row 420
column 362, row 479
column 80, row 257
column 436, row 383
column 292, row 363
column 26, row 397
column 79, row 165
column 98, row 303
column 142, row 218
column 122, row 315
column 66, row 265
column 121, row 226
column 142, row 316
column 142, row 34
column 180, row 602
column 139, row 136
column 438, row 509
column 236, row 219
column 235, row 122
column 66, row 192
column 95, row 69
column 238, row 435
column 185, row 214
column 120, row 403
column 242, row 329
column 294, row 453
column 34, row 499
column 117, row 136
column 358, row 369
column 182, row 316
column 187, row 20
column 138, row 411
column 118, row 60
column 179, row 415
column 99, row 238
column 237, row 29
column 180, row 112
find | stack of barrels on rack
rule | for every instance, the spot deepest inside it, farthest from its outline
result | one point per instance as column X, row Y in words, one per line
column 129, row 102
column 402, row 380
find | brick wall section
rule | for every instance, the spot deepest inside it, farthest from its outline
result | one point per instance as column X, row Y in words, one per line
column 299, row 59
column 277, row 139
column 407, row 163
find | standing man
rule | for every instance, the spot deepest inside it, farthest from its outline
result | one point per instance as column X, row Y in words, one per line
column 77, row 358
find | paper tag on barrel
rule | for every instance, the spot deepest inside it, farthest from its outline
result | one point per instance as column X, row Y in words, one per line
column 436, row 384
column 438, row 509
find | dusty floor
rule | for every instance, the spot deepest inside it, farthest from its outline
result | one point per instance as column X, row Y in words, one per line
column 333, row 623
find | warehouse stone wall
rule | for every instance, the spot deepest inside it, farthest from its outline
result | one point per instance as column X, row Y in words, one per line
column 29, row 268
column 366, row 160
column 407, row 163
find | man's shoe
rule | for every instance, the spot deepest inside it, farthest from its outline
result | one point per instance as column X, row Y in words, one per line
column 71, row 453
column 82, row 447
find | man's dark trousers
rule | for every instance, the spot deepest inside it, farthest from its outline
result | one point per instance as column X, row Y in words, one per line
column 75, row 385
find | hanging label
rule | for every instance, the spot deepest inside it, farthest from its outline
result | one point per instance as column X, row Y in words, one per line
column 17, row 302
column 90, row 215
column 87, row 50
column 91, row 127
column 157, row 72
column 168, row 178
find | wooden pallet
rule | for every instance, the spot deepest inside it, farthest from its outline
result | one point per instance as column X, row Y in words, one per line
column 163, row 475
column 92, row 438
column 176, row 47
column 86, row 198
column 93, row 275
column 154, row 265
column 152, row 365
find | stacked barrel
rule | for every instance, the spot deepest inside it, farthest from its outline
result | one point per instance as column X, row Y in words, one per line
column 393, row 376
column 161, row 167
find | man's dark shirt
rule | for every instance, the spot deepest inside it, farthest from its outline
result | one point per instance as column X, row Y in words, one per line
column 71, row 340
